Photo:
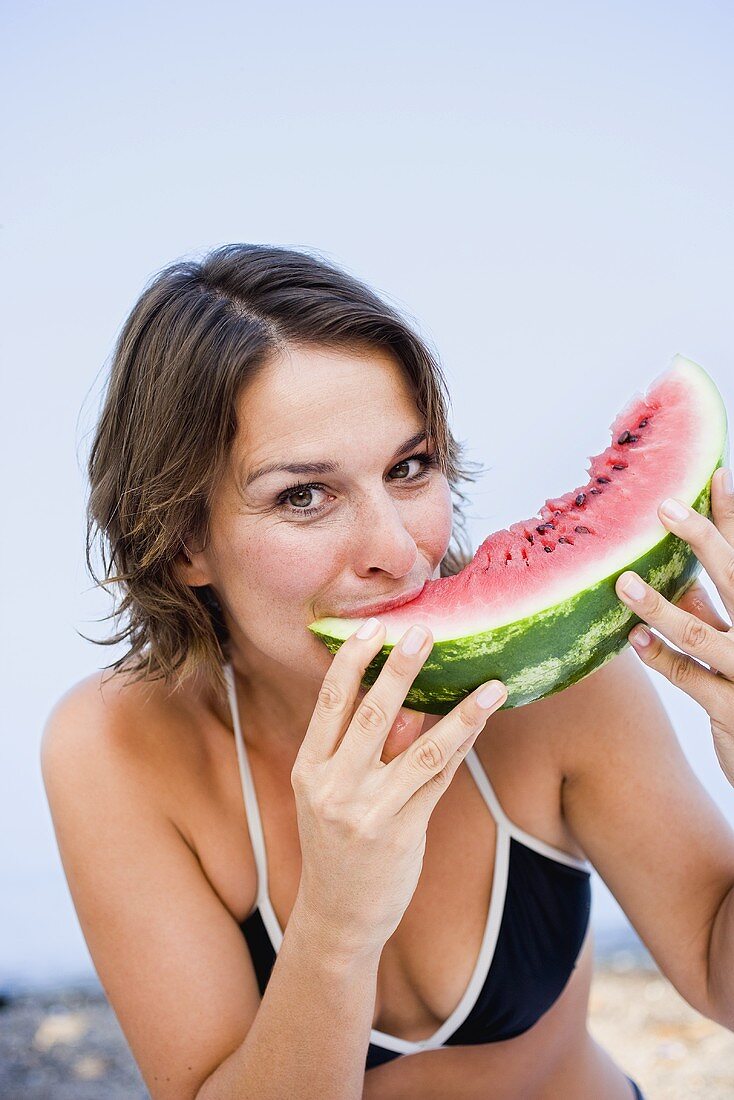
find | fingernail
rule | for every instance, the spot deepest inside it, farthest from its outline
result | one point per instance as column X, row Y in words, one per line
column 368, row 629
column 490, row 693
column 640, row 637
column 632, row 586
column 413, row 640
column 727, row 482
column 674, row 510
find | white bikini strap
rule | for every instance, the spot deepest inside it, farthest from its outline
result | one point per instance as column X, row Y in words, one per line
column 254, row 822
column 487, row 790
column 504, row 822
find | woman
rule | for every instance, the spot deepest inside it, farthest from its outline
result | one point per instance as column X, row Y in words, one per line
column 274, row 448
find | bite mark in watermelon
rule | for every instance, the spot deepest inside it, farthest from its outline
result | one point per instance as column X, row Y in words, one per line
column 536, row 607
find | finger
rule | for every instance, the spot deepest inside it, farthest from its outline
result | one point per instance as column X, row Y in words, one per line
column 697, row 601
column 434, row 750
column 710, row 545
column 376, row 713
column 722, row 503
column 427, row 797
column 714, row 693
column 680, row 627
column 407, row 726
column 335, row 704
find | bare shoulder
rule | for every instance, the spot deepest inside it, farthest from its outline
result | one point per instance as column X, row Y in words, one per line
column 535, row 753
column 112, row 725
column 113, row 704
column 530, row 738
column 613, row 697
column 167, row 950
column 561, row 728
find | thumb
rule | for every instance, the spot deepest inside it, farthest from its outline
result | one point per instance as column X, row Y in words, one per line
column 697, row 601
column 405, row 729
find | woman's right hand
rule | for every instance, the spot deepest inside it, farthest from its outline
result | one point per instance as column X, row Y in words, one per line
column 362, row 822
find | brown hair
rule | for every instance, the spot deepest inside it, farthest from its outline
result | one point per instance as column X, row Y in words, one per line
column 197, row 334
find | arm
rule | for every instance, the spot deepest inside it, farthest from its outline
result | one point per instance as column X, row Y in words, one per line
column 721, row 962
column 648, row 826
column 170, row 956
column 310, row 1035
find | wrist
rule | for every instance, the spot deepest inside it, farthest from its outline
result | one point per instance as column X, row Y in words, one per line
column 331, row 943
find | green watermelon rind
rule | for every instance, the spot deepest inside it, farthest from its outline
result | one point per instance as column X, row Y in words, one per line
column 567, row 641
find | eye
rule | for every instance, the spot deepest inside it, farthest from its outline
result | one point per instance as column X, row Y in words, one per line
column 427, row 462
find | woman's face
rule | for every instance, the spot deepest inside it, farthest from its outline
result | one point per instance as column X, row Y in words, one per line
column 374, row 526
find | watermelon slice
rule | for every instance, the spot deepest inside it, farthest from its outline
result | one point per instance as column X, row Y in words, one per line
column 536, row 607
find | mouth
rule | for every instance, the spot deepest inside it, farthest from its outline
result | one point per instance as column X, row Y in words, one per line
column 380, row 608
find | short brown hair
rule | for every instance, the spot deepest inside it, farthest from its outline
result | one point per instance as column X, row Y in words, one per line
column 198, row 333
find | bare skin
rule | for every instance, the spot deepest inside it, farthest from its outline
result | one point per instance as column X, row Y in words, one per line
column 198, row 785
column 591, row 771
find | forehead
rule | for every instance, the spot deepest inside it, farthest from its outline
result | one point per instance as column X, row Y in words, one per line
column 306, row 398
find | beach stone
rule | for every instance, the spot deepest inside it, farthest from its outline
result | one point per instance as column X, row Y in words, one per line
column 90, row 1067
column 60, row 1027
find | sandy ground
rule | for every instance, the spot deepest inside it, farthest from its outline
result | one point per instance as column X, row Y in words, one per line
column 67, row 1045
column 669, row 1049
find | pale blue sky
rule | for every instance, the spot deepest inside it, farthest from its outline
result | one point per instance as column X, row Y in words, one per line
column 545, row 188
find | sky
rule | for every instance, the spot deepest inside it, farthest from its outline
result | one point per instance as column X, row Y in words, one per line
column 544, row 190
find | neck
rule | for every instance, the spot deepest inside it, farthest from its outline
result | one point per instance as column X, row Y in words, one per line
column 275, row 704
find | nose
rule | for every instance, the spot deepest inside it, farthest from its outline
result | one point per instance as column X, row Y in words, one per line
column 381, row 540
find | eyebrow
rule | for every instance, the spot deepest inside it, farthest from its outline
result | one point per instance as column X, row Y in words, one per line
column 323, row 467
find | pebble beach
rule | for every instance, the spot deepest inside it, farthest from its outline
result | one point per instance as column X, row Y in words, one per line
column 66, row 1044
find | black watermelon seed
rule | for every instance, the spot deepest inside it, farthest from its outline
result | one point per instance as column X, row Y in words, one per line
column 562, row 539
column 624, row 438
column 633, row 438
column 604, row 480
column 580, row 500
column 548, row 549
column 619, row 466
column 643, row 423
column 595, row 491
column 530, row 539
column 543, row 527
column 582, row 530
column 558, row 512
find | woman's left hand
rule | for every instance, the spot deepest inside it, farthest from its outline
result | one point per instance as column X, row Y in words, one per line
column 693, row 624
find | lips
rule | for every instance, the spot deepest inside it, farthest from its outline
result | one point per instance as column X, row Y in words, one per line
column 379, row 608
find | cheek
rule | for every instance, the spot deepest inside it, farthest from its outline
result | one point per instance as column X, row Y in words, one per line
column 279, row 569
column 271, row 581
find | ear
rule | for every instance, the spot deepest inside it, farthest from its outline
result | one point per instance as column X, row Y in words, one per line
column 192, row 567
